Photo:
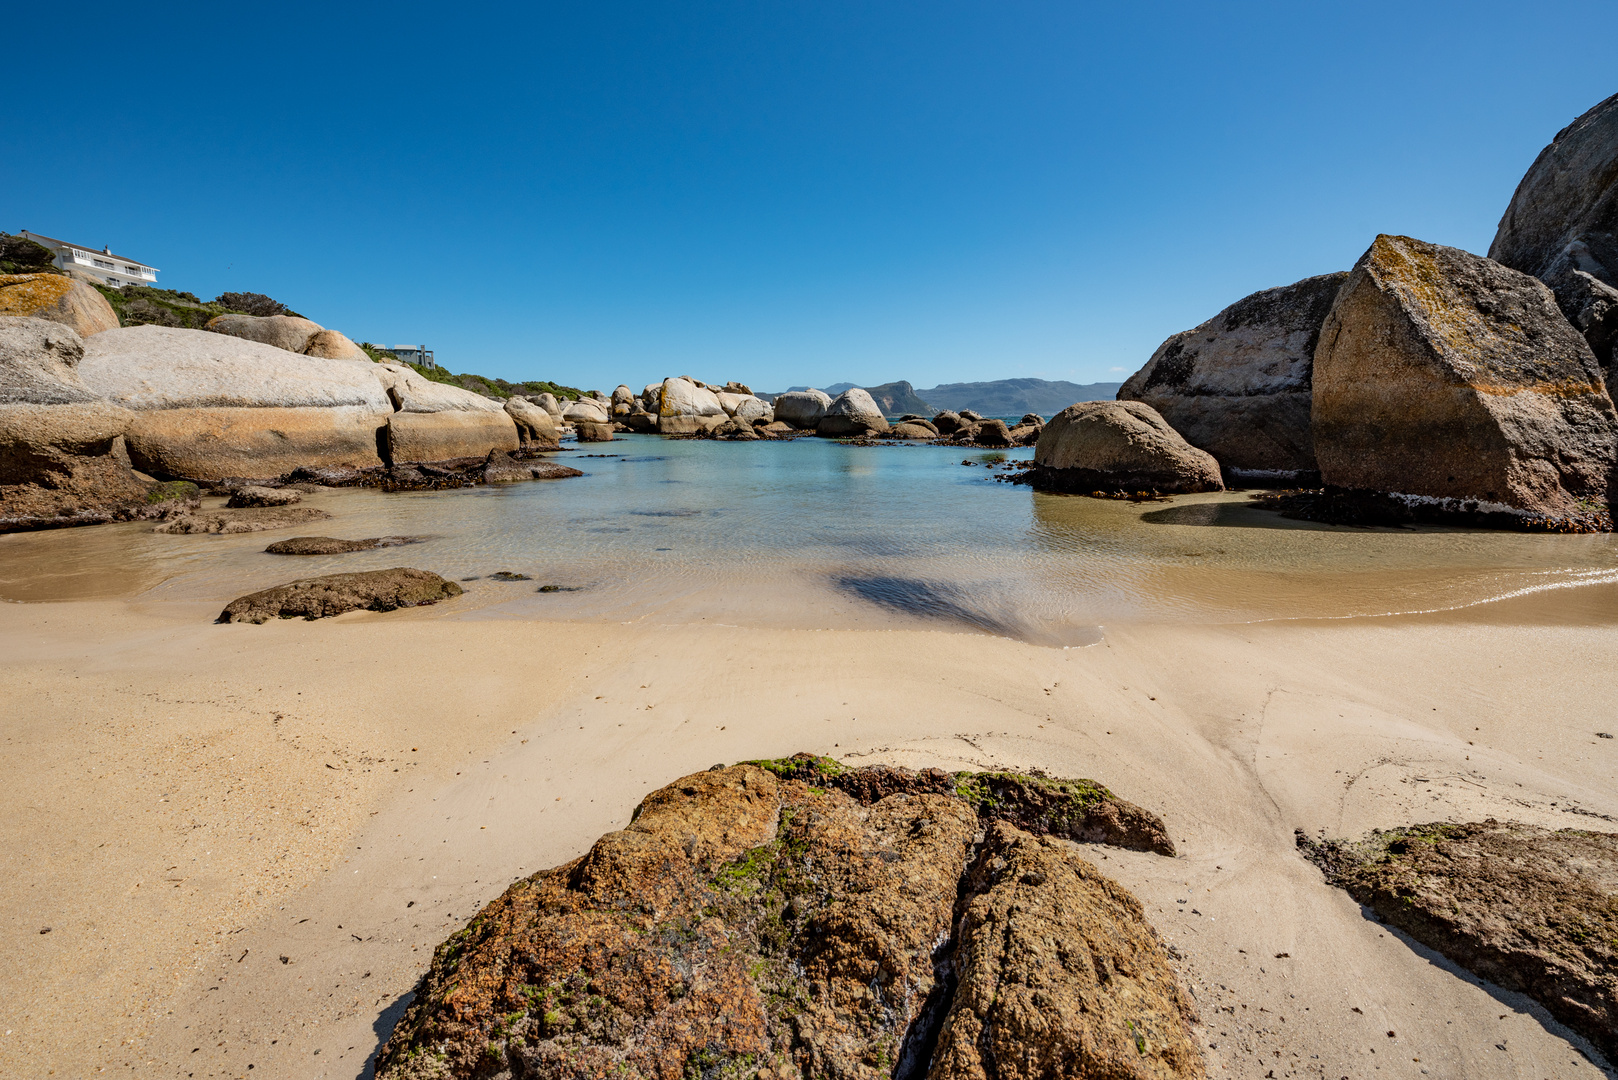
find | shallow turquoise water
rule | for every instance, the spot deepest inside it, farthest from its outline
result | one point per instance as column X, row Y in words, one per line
column 816, row 533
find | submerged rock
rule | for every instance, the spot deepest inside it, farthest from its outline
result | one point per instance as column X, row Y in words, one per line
column 330, row 545
column 253, row 519
column 1238, row 385
column 1118, row 446
column 252, row 495
column 1527, row 908
column 334, row 594
column 1445, row 376
column 797, row 919
column 501, row 468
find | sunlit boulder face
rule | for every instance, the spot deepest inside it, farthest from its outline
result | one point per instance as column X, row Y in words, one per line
column 1562, row 226
column 432, row 421
column 59, row 299
column 586, row 411
column 1444, row 375
column 683, row 397
column 333, row 345
column 853, row 412
column 290, row 333
column 209, row 406
column 535, row 427
column 1238, row 385
column 1119, row 446
column 802, row 408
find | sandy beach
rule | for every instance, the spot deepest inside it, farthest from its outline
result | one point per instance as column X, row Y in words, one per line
column 246, row 840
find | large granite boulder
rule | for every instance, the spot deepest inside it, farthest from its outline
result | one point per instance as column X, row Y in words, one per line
column 1562, row 225
column 549, row 403
column 535, row 427
column 288, row 332
column 432, row 421
column 1119, row 446
column 64, row 300
column 59, row 441
column 586, row 411
column 853, row 412
column 802, row 409
column 795, row 918
column 744, row 407
column 684, row 397
column 333, row 345
column 208, row 406
column 334, row 594
column 1444, row 375
column 623, row 400
column 1238, row 386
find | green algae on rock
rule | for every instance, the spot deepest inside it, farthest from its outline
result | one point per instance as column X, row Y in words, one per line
column 798, row 918
column 1531, row 909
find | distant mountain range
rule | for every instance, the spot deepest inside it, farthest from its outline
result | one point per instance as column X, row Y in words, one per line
column 1003, row 397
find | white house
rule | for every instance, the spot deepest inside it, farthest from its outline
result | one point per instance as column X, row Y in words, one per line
column 413, row 354
column 113, row 270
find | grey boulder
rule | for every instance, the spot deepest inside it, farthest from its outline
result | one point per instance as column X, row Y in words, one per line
column 1119, row 446
column 853, row 412
column 1238, row 385
column 802, row 408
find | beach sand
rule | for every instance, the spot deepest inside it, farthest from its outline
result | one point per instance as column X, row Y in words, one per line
column 247, row 840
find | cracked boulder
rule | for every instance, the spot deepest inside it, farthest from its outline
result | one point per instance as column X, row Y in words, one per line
column 797, row 919
column 1530, row 909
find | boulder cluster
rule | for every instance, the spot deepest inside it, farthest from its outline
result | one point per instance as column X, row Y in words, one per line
column 1426, row 381
column 96, row 419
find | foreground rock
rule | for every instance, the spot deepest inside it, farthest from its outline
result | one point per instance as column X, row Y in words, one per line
column 331, row 545
column 1238, row 386
column 436, row 422
column 253, row 519
column 1118, row 446
column 59, row 299
column 1562, row 225
column 501, row 468
column 334, row 594
column 796, row 919
column 536, row 428
column 1527, row 908
column 1447, row 377
column 290, row 333
column 852, row 412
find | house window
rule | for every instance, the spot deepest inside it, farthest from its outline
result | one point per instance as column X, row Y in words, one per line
column 133, row 270
column 113, row 282
column 103, row 264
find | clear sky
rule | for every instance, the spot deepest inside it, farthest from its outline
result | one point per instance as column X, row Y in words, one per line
column 779, row 191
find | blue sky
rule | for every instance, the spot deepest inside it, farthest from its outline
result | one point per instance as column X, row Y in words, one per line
column 779, row 192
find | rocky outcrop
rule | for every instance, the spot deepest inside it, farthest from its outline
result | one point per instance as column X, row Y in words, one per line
column 333, row 345
column 1112, row 446
column 243, row 520
column 947, row 423
column 1562, row 224
column 501, row 468
column 334, row 594
column 589, row 433
column 1445, row 376
column 209, row 406
column 536, row 429
column 852, row 413
column 1238, row 385
column 794, row 918
column 290, row 333
column 1527, row 908
column 253, row 495
column 61, row 446
column 549, row 403
column 682, row 397
column 802, row 409
column 59, row 299
column 331, row 545
column 433, row 421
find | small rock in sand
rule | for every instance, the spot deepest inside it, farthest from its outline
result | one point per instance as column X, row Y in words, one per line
column 334, row 594
column 331, row 545
column 251, row 519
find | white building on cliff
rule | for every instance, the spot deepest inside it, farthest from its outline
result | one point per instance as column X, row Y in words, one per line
column 115, row 271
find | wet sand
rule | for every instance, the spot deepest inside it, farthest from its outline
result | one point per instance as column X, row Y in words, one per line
column 246, row 840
